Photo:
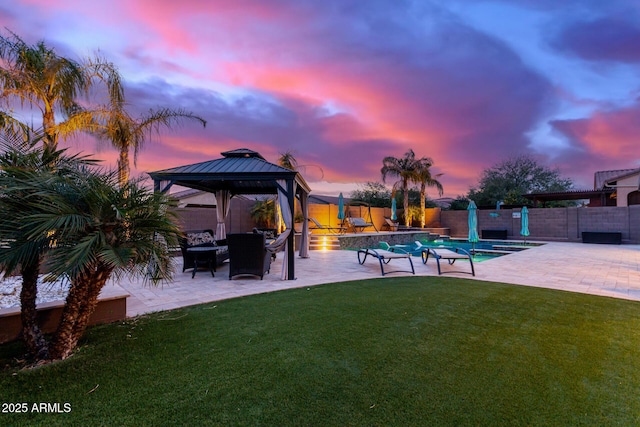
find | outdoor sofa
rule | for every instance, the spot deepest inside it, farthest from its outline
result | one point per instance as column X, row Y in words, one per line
column 201, row 238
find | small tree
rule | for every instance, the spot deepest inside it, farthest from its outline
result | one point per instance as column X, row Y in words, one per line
column 508, row 180
column 460, row 203
column 373, row 193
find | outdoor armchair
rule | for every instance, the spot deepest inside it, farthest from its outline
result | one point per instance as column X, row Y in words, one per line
column 248, row 254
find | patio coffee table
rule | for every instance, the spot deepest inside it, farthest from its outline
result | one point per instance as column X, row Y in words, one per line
column 204, row 255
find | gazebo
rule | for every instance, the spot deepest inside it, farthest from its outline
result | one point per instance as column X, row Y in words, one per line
column 244, row 171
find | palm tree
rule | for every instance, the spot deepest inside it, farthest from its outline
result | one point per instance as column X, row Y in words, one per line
column 287, row 160
column 263, row 212
column 23, row 249
column 425, row 179
column 125, row 132
column 90, row 229
column 405, row 169
column 103, row 229
column 37, row 76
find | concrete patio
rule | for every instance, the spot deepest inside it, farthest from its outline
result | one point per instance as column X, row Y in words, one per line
column 606, row 270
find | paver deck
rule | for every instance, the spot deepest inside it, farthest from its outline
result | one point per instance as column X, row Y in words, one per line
column 606, row 270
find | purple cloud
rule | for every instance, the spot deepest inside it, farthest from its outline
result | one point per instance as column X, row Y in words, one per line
column 603, row 39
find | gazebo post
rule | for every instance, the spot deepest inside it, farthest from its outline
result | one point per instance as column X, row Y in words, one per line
column 291, row 197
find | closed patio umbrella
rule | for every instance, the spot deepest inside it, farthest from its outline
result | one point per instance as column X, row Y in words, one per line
column 524, row 217
column 473, row 225
column 394, row 216
column 341, row 208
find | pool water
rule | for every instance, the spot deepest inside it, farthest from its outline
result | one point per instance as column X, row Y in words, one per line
column 482, row 250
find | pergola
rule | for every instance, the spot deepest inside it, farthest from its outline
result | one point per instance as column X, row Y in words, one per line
column 244, row 171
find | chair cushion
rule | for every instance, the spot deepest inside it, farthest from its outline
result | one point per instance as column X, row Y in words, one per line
column 197, row 239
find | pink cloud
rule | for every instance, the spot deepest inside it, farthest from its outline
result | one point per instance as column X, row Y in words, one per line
column 606, row 140
column 606, row 134
column 341, row 83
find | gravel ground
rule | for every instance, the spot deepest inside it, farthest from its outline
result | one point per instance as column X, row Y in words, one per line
column 49, row 291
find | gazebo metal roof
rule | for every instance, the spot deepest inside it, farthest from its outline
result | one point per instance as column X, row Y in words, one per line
column 240, row 171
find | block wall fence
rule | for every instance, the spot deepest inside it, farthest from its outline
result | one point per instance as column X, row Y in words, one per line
column 553, row 224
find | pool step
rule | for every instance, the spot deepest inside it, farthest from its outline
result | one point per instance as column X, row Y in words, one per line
column 324, row 242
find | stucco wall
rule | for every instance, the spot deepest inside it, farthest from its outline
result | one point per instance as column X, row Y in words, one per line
column 238, row 220
column 624, row 187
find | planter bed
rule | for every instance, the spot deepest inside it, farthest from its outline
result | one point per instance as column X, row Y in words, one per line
column 112, row 307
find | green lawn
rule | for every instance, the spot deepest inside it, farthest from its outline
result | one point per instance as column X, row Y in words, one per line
column 402, row 351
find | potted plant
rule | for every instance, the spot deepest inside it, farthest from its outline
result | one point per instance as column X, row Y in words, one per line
column 263, row 213
column 298, row 219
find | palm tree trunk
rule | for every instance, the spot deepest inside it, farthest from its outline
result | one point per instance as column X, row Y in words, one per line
column 405, row 189
column 80, row 305
column 31, row 332
column 49, row 124
column 423, row 196
column 123, row 167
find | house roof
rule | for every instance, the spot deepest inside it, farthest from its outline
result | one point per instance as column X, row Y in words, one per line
column 568, row 195
column 601, row 178
column 327, row 200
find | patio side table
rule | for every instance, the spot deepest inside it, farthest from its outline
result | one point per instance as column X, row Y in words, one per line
column 204, row 255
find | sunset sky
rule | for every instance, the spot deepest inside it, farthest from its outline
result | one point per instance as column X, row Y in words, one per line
column 343, row 83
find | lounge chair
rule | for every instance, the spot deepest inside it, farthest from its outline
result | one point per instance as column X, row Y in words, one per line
column 330, row 229
column 450, row 256
column 394, row 248
column 389, row 225
column 248, row 254
column 384, row 256
column 358, row 224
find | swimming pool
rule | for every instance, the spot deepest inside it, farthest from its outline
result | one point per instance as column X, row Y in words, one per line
column 481, row 251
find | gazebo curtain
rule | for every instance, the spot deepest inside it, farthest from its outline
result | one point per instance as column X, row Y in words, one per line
column 304, row 239
column 287, row 217
column 223, row 200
